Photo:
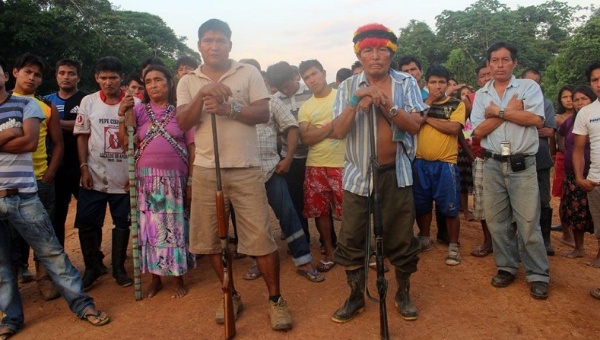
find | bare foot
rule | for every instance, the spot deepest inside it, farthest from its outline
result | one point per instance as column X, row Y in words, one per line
column 575, row 254
column 568, row 242
column 180, row 290
column 155, row 287
column 594, row 263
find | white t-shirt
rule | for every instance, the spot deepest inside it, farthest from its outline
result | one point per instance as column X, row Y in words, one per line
column 587, row 123
column 107, row 161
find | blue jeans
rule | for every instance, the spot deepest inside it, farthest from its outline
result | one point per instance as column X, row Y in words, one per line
column 281, row 202
column 26, row 214
column 509, row 195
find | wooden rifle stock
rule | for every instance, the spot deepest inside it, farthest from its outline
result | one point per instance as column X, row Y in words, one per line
column 222, row 230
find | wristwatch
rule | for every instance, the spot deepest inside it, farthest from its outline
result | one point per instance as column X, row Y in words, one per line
column 393, row 111
column 501, row 114
column 235, row 111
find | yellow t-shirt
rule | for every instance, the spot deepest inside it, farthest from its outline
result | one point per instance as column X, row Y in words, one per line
column 328, row 152
column 40, row 155
column 433, row 145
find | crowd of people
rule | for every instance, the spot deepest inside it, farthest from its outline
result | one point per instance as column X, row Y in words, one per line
column 289, row 142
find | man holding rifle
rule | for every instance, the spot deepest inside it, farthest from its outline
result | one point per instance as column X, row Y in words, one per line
column 398, row 108
column 236, row 94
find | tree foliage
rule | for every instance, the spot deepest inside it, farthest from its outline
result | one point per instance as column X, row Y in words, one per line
column 85, row 30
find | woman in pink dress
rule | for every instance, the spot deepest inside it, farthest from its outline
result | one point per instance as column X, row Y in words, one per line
column 164, row 159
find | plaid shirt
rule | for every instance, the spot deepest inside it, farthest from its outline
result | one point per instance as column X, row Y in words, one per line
column 406, row 95
column 280, row 120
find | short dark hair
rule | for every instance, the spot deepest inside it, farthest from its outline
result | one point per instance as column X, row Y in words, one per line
column 585, row 90
column 560, row 108
column 279, row 73
column 407, row 59
column 252, row 62
column 480, row 67
column 109, row 64
column 69, row 62
column 343, row 74
column 502, row 44
column 531, row 70
column 170, row 83
column 3, row 65
column 31, row 59
column 588, row 71
column 135, row 78
column 214, row 25
column 151, row 61
column 437, row 71
column 187, row 61
column 356, row 65
column 306, row 64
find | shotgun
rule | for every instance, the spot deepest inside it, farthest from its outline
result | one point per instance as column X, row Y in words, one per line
column 223, row 229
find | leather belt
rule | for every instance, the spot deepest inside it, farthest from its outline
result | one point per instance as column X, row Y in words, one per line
column 499, row 158
column 8, row 192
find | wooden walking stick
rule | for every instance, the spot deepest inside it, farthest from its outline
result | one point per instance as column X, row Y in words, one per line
column 137, row 278
column 223, row 231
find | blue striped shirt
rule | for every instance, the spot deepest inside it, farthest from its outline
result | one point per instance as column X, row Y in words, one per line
column 406, row 95
column 16, row 170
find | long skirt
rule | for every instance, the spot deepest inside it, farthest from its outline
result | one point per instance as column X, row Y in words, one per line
column 559, row 175
column 574, row 207
column 163, row 221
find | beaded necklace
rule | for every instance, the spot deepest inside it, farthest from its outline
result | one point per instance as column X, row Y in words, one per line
column 156, row 129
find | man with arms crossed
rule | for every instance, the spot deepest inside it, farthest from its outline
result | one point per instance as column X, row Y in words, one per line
column 506, row 114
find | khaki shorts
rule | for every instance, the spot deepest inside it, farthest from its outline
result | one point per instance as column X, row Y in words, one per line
column 244, row 188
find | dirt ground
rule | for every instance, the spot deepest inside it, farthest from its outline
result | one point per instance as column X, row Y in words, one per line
column 454, row 302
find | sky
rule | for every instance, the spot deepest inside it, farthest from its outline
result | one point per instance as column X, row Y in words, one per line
column 271, row 31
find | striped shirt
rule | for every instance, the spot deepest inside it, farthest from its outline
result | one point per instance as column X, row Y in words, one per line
column 406, row 95
column 280, row 119
column 16, row 170
column 293, row 104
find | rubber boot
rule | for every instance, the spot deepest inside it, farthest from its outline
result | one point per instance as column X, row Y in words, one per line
column 90, row 246
column 120, row 239
column 407, row 310
column 44, row 283
column 356, row 302
column 103, row 268
column 546, row 224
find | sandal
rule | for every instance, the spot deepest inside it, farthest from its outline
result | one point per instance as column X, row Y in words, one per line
column 482, row 251
column 312, row 276
column 6, row 333
column 96, row 319
column 595, row 293
column 325, row 266
column 252, row 274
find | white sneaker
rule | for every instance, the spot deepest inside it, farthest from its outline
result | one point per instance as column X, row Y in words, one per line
column 453, row 258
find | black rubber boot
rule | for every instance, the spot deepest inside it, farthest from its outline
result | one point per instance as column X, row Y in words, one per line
column 103, row 268
column 546, row 224
column 356, row 302
column 120, row 239
column 407, row 310
column 90, row 246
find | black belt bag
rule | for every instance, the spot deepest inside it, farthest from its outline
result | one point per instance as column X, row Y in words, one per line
column 517, row 161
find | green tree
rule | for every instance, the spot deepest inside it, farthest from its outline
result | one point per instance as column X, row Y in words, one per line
column 575, row 55
column 419, row 40
column 85, row 30
column 462, row 67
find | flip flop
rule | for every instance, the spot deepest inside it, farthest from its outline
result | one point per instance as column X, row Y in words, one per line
column 96, row 319
column 595, row 293
column 252, row 274
column 325, row 266
column 313, row 276
column 482, row 251
column 6, row 333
